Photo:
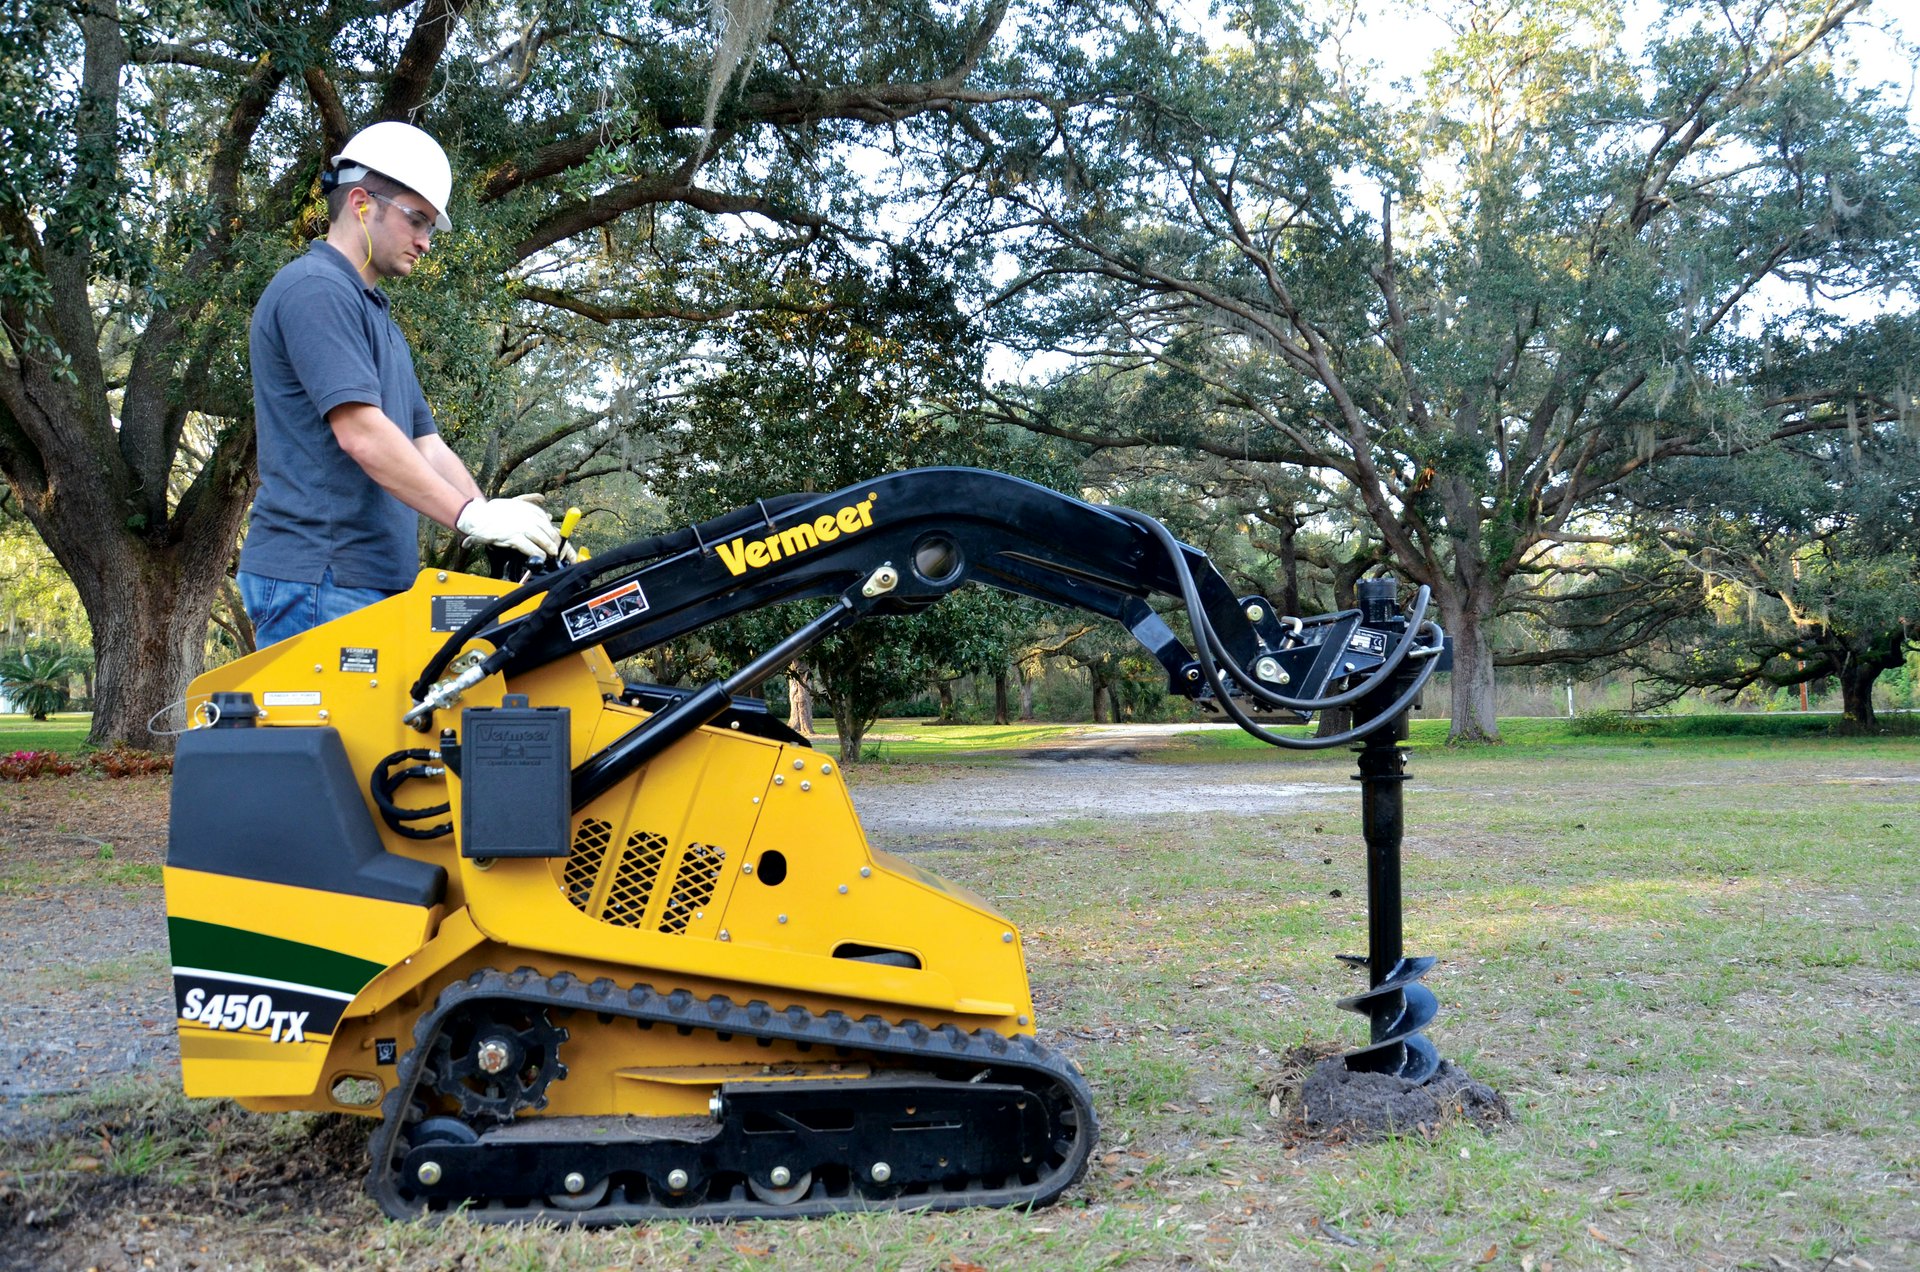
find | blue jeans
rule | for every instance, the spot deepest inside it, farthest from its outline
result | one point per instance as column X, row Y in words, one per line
column 280, row 608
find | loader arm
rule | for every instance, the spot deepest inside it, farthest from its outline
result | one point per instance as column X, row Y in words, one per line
column 901, row 542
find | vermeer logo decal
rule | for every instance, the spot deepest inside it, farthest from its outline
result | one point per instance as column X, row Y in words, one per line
column 743, row 554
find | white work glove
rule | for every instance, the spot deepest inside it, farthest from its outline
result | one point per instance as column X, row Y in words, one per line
column 519, row 523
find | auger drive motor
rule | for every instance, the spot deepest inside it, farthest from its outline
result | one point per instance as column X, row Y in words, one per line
column 603, row 952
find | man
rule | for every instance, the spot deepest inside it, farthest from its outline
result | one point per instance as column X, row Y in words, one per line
column 349, row 452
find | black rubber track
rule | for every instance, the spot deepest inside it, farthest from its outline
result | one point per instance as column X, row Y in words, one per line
column 1018, row 1058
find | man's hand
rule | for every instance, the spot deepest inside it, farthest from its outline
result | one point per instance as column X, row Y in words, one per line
column 518, row 523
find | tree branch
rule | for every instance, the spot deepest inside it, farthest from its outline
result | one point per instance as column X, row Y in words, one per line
column 606, row 314
column 413, row 73
column 603, row 208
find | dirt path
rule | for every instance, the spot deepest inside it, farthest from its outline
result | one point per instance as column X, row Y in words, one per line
column 1093, row 781
column 84, row 961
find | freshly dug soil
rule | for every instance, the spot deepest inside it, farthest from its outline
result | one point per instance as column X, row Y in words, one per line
column 1334, row 1100
column 1318, row 1098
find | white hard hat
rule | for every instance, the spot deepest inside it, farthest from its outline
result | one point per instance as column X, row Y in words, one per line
column 400, row 152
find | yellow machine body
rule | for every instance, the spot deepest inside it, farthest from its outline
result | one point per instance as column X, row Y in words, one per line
column 731, row 864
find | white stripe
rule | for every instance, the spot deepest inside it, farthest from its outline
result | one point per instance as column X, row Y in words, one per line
column 263, row 981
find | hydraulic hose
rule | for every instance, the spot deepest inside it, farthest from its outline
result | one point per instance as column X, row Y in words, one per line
column 384, row 783
column 1205, row 635
column 574, row 579
column 1397, row 655
column 1207, row 645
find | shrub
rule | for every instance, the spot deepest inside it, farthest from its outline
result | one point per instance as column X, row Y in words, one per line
column 1608, row 724
column 19, row 766
column 1773, row 725
column 117, row 761
column 125, row 761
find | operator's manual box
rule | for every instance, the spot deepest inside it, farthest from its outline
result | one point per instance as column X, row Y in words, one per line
column 516, row 782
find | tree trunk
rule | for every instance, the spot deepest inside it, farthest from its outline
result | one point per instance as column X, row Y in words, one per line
column 853, row 732
column 149, row 637
column 1099, row 695
column 1473, row 679
column 1026, row 697
column 1337, row 720
column 1289, row 565
column 1000, row 696
column 945, row 689
column 799, row 699
column 1346, row 580
column 1857, row 678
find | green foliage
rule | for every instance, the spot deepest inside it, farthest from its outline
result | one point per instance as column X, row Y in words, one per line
column 864, row 371
column 161, row 162
column 1609, row 724
column 1807, row 554
column 35, row 593
column 1475, row 315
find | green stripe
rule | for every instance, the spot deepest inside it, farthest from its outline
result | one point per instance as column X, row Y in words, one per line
column 227, row 949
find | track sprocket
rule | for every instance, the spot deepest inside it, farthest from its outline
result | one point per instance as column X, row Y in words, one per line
column 496, row 1058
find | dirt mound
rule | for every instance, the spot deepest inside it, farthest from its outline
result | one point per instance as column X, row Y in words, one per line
column 1320, row 1098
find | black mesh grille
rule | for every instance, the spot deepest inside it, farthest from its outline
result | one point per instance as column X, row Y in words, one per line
column 583, row 866
column 633, row 885
column 615, row 885
column 693, row 885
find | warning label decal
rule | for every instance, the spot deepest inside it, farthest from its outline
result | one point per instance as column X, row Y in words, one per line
column 589, row 618
column 451, row 612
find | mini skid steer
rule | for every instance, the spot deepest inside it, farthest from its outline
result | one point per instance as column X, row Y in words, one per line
column 604, row 952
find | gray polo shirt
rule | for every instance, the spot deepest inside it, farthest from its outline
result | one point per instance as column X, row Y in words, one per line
column 322, row 338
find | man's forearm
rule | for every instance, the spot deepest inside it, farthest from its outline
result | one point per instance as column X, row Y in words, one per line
column 388, row 456
column 449, row 465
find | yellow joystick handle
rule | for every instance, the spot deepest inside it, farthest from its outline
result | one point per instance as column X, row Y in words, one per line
column 568, row 522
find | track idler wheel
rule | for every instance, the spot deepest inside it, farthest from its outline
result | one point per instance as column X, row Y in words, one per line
column 495, row 1059
column 585, row 1197
column 782, row 1187
column 679, row 1187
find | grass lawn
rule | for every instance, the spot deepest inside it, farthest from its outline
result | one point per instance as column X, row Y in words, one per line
column 1692, row 963
column 909, row 740
column 65, row 732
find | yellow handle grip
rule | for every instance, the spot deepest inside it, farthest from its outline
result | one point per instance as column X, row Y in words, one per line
column 568, row 522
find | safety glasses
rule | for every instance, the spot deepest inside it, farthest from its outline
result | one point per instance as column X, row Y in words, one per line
column 420, row 221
